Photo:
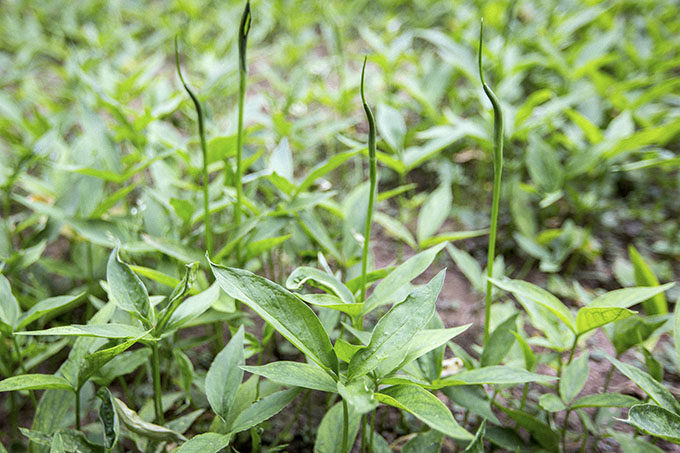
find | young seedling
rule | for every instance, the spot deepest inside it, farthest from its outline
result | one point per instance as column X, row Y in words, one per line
column 497, row 171
column 373, row 178
column 242, row 73
column 204, row 152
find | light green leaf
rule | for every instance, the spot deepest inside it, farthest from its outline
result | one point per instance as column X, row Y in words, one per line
column 655, row 305
column 329, row 433
column 46, row 306
column 499, row 375
column 57, row 445
column 205, row 443
column 539, row 296
column 332, row 302
column 655, row 420
column 93, row 362
column 604, row 400
column 295, row 374
column 429, row 441
column 291, row 317
column 395, row 229
column 627, row 297
column 425, row 407
column 391, row 126
column 500, row 342
column 384, row 292
column 225, row 375
column 34, row 382
column 137, row 425
column 474, row 398
column 324, row 168
column 321, row 279
column 358, row 395
column 589, row 318
column 434, row 212
column 192, row 307
column 9, row 307
column 477, row 444
column 127, row 290
column 551, row 402
column 263, row 410
column 109, row 331
column 653, row 388
column 452, row 236
column 345, row 351
column 397, row 327
column 529, row 355
column 574, row 377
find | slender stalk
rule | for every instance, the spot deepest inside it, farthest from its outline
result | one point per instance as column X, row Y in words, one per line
column 204, row 153
column 243, row 74
column 573, row 349
column 77, row 411
column 373, row 180
column 525, row 392
column 370, row 441
column 497, row 171
column 157, row 392
column 345, row 426
column 564, row 430
column 364, row 433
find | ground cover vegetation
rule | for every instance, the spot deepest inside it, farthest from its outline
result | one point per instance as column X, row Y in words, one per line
column 339, row 226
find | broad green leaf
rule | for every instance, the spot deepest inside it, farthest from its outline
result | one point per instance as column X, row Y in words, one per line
column 345, row 351
column 108, row 417
column 319, row 278
column 397, row 327
column 193, row 307
column 225, row 375
column 257, row 248
column 9, row 307
column 434, row 212
column 605, row 400
column 109, row 331
column 499, row 375
column 551, row 402
column 411, row 268
column 46, row 306
column 630, row 444
column 468, row 266
column 655, row 305
column 574, row 377
column 425, row 407
column 137, row 425
column 313, row 227
column 395, row 229
column 477, row 444
column 329, row 433
column 589, row 318
column 500, row 342
column 57, row 445
column 474, row 398
column 291, row 317
column 391, row 126
column 95, row 361
column 539, row 296
column 205, row 443
column 295, row 374
column 263, row 410
column 634, row 330
column 529, row 355
column 429, row 441
column 127, row 290
column 324, row 168
column 655, row 420
column 34, row 382
column 332, row 302
column 653, row 388
column 358, row 395
column 627, row 297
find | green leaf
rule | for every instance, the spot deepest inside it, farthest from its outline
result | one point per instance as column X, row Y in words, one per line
column 358, row 395
column 634, row 330
column 192, row 307
column 127, row 290
column 589, row 318
column 538, row 429
column 324, row 168
column 655, row 305
column 384, row 292
column 291, row 317
column 391, row 126
column 429, row 441
column 295, row 374
column 174, row 300
column 205, row 443
column 333, row 302
column 108, row 417
column 425, row 407
column 93, row 362
column 529, row 355
column 225, row 375
column 57, row 445
column 551, row 402
column 474, row 398
column 468, row 266
column 655, row 420
column 263, row 410
column 574, row 377
column 34, row 382
column 397, row 327
column 434, row 212
column 109, row 331
column 321, row 279
column 538, row 295
column 345, row 351
column 627, row 297
column 452, row 236
column 498, row 375
column 137, row 425
column 46, row 306
column 9, row 307
column 329, row 433
column 605, row 400
column 500, row 342
column 477, row 444
column 653, row 388
column 395, row 229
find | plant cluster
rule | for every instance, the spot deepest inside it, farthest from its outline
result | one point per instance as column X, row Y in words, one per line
column 214, row 288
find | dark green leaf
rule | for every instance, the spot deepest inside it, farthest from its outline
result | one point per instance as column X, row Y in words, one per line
column 108, row 417
column 295, row 374
column 263, row 410
column 655, row 420
column 500, row 342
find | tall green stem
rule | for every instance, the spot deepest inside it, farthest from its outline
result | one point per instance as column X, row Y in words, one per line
column 345, row 426
column 243, row 75
column 497, row 171
column 204, row 153
column 373, row 179
column 157, row 392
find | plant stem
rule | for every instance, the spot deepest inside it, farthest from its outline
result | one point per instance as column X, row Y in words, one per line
column 370, row 441
column 373, row 179
column 525, row 392
column 157, row 392
column 573, row 349
column 497, row 172
column 345, row 426
column 242, row 73
column 564, row 431
column 77, row 411
column 20, row 359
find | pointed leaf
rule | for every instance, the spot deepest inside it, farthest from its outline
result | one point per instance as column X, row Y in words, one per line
column 655, row 305
column 500, row 342
column 9, row 307
column 205, row 443
column 108, row 417
column 477, row 444
column 34, row 382
column 263, row 410
column 605, row 400
column 137, row 425
column 574, row 377
column 109, row 331
column 46, row 306
column 95, row 361
column 319, row 278
column 295, row 374
column 329, row 433
column 589, row 318
column 655, row 420
column 127, row 290
column 225, row 375
column 627, row 297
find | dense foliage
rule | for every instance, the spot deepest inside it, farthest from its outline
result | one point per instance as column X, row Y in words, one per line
column 210, row 242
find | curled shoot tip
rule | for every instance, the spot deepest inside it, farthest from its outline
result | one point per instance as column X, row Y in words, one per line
column 363, row 73
column 479, row 55
column 179, row 69
column 243, row 35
